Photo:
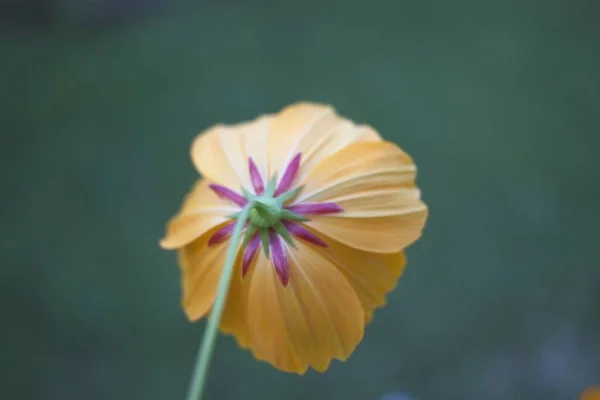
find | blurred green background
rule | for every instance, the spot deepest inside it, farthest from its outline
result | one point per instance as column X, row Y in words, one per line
column 497, row 101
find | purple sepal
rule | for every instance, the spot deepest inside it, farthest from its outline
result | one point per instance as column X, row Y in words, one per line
column 257, row 181
column 249, row 253
column 222, row 234
column 316, row 208
column 289, row 175
column 226, row 193
column 302, row 233
column 279, row 257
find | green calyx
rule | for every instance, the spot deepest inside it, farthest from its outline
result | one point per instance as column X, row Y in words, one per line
column 268, row 213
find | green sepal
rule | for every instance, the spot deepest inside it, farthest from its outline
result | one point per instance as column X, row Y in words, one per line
column 264, row 238
column 283, row 232
column 271, row 186
column 261, row 217
column 249, row 233
column 292, row 216
column 290, row 194
column 248, row 195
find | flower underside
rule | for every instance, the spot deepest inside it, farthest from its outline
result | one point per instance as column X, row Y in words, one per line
column 272, row 220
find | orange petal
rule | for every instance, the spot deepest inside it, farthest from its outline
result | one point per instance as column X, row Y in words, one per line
column 221, row 153
column 381, row 235
column 201, row 267
column 201, row 211
column 234, row 320
column 316, row 318
column 316, row 131
column 374, row 183
column 371, row 275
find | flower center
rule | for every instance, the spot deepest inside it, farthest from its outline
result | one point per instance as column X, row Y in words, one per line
column 272, row 221
column 266, row 212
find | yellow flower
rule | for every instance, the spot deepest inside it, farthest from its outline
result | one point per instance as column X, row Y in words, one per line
column 334, row 206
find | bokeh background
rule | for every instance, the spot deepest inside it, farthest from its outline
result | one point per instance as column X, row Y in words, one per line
column 497, row 101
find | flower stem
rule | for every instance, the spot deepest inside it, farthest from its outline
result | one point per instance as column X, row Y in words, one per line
column 210, row 335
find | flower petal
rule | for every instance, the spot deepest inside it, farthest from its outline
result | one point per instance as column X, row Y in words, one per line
column 316, row 131
column 372, row 275
column 374, row 184
column 201, row 266
column 380, row 235
column 316, row 318
column 221, row 152
column 234, row 320
column 201, row 211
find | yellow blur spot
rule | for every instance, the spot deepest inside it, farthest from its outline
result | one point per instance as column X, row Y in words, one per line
column 591, row 393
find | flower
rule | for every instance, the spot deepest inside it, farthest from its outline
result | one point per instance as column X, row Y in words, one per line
column 333, row 208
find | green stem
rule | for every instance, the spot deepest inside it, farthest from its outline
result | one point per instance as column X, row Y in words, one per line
column 210, row 335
